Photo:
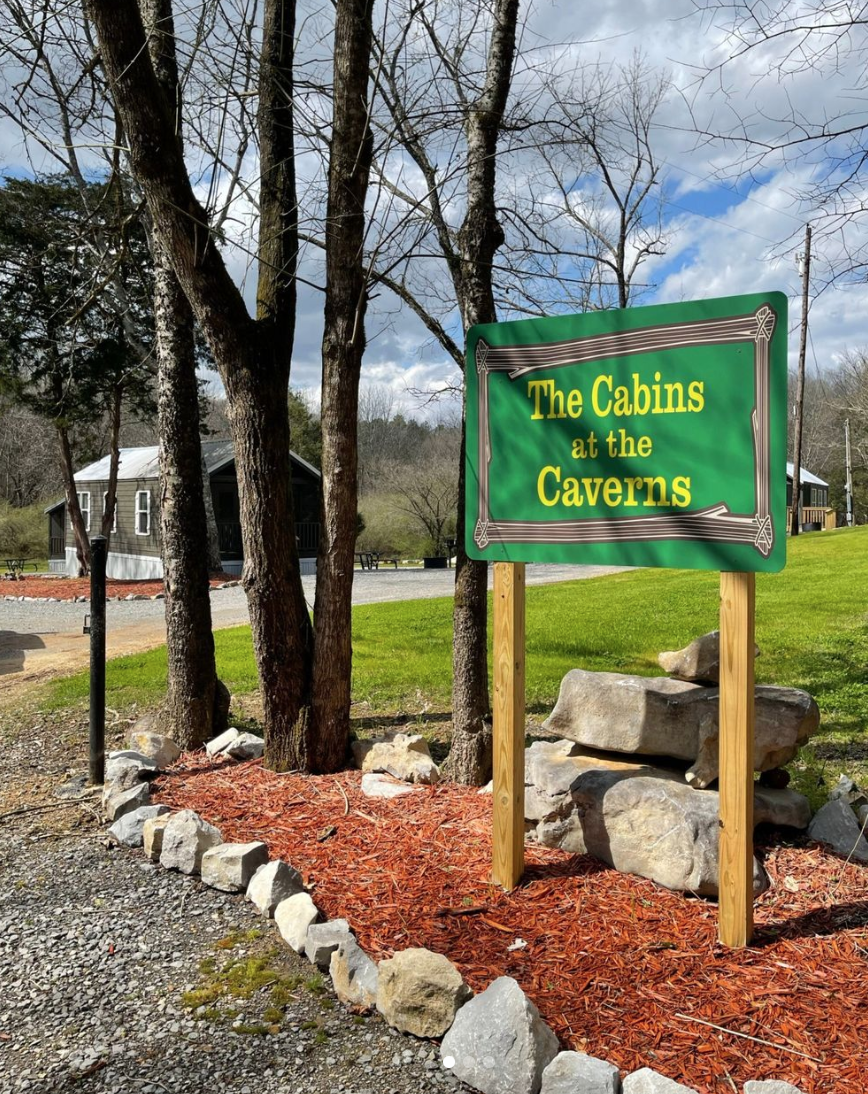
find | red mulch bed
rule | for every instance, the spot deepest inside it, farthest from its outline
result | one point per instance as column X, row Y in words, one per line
column 613, row 962
column 68, row 588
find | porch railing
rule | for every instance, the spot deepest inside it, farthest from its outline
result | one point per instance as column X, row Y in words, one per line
column 229, row 535
column 812, row 514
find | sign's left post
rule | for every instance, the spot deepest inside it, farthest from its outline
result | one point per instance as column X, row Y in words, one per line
column 508, row 728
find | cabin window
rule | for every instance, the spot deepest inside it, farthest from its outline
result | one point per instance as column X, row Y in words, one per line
column 84, row 506
column 114, row 515
column 143, row 512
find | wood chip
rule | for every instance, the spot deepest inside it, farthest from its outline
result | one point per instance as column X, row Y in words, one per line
column 610, row 958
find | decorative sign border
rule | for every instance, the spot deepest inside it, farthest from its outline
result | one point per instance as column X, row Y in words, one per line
column 715, row 523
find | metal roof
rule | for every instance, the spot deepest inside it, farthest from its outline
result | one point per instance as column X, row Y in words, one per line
column 144, row 463
column 804, row 475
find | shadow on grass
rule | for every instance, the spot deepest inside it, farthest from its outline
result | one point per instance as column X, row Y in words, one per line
column 384, row 721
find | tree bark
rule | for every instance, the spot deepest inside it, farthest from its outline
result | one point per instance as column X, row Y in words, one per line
column 215, row 562
column 479, row 238
column 191, row 714
column 253, row 356
column 67, row 471
column 470, row 753
column 188, row 713
column 342, row 349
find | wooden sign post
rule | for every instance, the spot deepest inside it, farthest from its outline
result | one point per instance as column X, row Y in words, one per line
column 737, row 598
column 635, row 437
column 508, row 836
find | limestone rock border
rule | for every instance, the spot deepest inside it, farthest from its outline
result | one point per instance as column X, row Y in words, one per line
column 527, row 1079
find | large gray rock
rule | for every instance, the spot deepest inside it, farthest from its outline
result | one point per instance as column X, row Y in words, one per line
column 293, row 917
column 657, row 716
column 576, row 1073
column 152, row 836
column 246, row 746
column 769, row 1086
column 118, row 802
column 699, row 662
column 129, row 829
column 498, row 1043
column 222, row 741
column 186, row 838
column 654, row 825
column 836, row 825
column 125, row 769
column 404, row 755
column 240, row 746
column 230, row 866
column 273, row 883
column 550, row 769
column 354, row 975
column 640, row 818
column 323, row 939
column 647, row 1081
column 419, row 992
column 159, row 748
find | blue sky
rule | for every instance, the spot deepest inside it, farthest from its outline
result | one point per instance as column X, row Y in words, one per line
column 728, row 232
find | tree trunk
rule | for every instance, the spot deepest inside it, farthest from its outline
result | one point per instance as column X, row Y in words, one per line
column 191, row 714
column 253, row 356
column 470, row 754
column 479, row 238
column 279, row 620
column 342, row 350
column 67, row 470
column 215, row 562
column 195, row 707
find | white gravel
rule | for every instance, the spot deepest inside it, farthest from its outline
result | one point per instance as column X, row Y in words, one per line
column 97, row 947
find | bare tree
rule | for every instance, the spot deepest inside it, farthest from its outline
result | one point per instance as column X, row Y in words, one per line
column 252, row 354
column 464, row 74
column 602, row 177
column 196, row 704
column 324, row 747
column 28, row 471
column 427, row 489
column 777, row 44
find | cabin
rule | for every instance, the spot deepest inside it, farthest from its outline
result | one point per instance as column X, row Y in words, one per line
column 134, row 550
column 816, row 514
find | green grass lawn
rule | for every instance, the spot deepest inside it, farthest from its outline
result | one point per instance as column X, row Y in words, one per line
column 811, row 627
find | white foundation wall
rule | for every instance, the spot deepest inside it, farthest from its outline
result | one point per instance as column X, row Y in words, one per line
column 148, row 568
column 123, row 567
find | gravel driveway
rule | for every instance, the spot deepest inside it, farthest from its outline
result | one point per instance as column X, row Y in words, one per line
column 41, row 640
column 97, row 947
column 229, row 606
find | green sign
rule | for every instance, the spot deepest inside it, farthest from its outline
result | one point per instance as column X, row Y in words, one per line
column 641, row 437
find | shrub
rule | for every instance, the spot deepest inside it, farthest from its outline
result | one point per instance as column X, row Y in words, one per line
column 23, row 531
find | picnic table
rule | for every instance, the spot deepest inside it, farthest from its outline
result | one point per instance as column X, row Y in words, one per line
column 370, row 560
column 16, row 565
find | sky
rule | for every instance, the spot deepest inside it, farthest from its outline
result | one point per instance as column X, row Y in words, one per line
column 728, row 232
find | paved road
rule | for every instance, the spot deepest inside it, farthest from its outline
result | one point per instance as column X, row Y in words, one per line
column 41, row 640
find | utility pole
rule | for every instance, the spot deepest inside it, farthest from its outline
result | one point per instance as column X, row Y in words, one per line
column 805, row 270
column 849, row 469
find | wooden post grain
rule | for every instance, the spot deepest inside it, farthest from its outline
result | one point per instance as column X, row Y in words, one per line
column 737, row 599
column 508, row 824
